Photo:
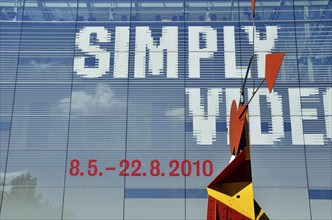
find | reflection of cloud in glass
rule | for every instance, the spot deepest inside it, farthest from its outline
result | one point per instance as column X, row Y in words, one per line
column 43, row 65
column 176, row 113
column 9, row 177
column 84, row 103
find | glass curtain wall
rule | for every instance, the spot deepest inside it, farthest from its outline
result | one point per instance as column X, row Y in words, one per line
column 118, row 109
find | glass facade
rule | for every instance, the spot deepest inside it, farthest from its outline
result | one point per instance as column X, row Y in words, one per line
column 118, row 109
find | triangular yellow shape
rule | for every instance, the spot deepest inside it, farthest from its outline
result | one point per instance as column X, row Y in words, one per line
column 239, row 196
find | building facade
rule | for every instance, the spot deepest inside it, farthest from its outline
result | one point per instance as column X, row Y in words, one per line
column 118, row 109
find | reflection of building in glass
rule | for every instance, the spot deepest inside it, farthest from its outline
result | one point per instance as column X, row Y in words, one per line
column 50, row 114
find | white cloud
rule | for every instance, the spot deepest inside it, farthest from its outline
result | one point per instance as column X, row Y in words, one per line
column 9, row 178
column 176, row 113
column 41, row 65
column 83, row 103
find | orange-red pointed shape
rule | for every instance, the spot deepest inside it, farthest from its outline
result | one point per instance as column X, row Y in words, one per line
column 253, row 3
column 236, row 126
column 272, row 66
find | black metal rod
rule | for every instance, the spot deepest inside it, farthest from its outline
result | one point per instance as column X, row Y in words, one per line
column 254, row 93
column 245, row 79
column 247, row 73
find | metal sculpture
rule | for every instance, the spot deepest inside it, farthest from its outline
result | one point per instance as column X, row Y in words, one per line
column 230, row 194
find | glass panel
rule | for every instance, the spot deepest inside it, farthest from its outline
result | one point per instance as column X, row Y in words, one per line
column 154, row 209
column 47, row 168
column 155, row 133
column 3, row 155
column 9, row 45
column 107, row 203
column 6, row 100
column 41, row 117
column 4, row 131
column 48, row 38
column 280, row 203
column 42, row 100
column 315, row 67
column 319, row 166
column 46, row 52
column 98, row 119
column 44, row 67
column 313, row 31
column 39, row 133
column 156, row 116
column 97, row 132
column 11, row 10
column 321, row 209
column 196, row 209
column 278, row 167
column 267, row 10
column 50, row 10
column 312, row 10
column 103, row 10
column 152, row 11
column 211, row 11
column 33, row 202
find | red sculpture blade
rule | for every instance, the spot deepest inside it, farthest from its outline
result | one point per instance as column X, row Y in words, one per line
column 272, row 67
column 219, row 211
column 236, row 126
column 253, row 3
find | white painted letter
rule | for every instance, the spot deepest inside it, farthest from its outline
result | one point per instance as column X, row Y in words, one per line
column 327, row 96
column 195, row 52
column 295, row 100
column 204, row 125
column 264, row 46
column 168, row 44
column 231, row 70
column 121, row 52
column 277, row 129
column 102, row 56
